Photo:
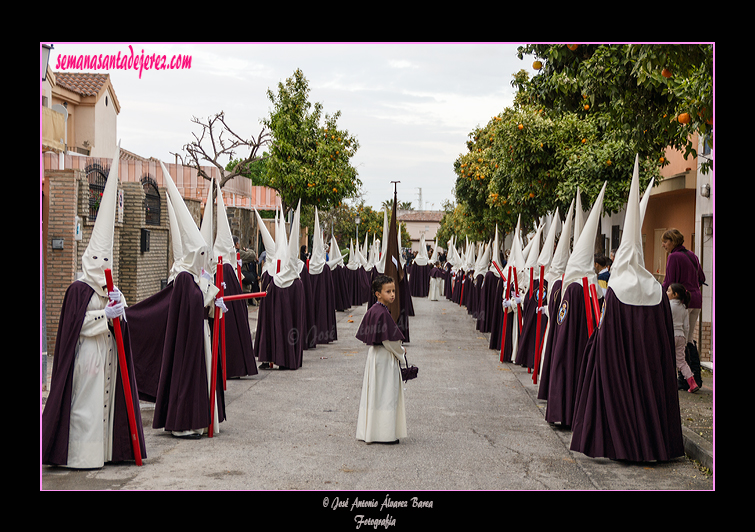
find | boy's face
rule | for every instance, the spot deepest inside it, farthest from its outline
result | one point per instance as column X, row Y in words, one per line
column 387, row 293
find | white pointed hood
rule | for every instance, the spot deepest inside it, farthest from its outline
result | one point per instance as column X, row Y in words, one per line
column 269, row 242
column 336, row 259
column 98, row 255
column 286, row 251
column 223, row 246
column 195, row 252
column 436, row 253
column 207, row 228
column 354, row 262
column 579, row 216
column 422, row 259
column 516, row 257
column 175, row 239
column 630, row 281
column 643, row 208
column 645, row 199
column 534, row 252
column 563, row 249
column 380, row 264
column 582, row 260
column 495, row 254
column 317, row 260
column 483, row 261
column 546, row 254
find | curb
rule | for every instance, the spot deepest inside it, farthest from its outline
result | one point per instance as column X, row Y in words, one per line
column 698, row 449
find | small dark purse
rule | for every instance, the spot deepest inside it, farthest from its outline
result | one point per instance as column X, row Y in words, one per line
column 409, row 372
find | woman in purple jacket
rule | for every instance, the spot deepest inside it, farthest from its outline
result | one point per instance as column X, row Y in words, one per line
column 682, row 266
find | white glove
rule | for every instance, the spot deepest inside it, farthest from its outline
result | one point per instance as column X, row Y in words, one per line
column 206, row 275
column 115, row 295
column 221, row 304
column 517, row 299
column 115, row 310
column 506, row 303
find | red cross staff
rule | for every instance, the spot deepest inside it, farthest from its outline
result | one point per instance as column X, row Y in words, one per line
column 124, row 379
column 214, row 363
column 587, row 306
column 220, row 326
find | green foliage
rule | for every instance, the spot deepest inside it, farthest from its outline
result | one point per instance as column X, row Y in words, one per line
column 255, row 170
column 635, row 91
column 579, row 123
column 310, row 156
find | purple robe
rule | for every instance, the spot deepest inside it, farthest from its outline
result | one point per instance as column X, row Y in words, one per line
column 419, row 279
column 565, row 359
column 447, row 284
column 57, row 411
column 281, row 323
column 182, row 401
column 310, row 316
column 494, row 304
column 486, row 302
column 239, row 356
column 627, row 406
column 341, row 289
column 323, row 299
column 147, row 320
column 377, row 326
column 525, row 355
column 554, row 300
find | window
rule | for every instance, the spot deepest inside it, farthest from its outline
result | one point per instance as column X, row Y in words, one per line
column 151, row 201
column 97, row 177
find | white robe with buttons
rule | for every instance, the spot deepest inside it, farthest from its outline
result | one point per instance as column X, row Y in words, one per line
column 382, row 415
column 94, row 379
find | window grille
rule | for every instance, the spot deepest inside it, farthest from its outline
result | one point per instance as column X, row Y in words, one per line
column 151, row 201
column 97, row 177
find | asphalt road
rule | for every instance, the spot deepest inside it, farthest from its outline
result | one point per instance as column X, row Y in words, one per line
column 473, row 424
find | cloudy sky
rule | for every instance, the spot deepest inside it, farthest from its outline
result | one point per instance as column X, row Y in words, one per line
column 410, row 105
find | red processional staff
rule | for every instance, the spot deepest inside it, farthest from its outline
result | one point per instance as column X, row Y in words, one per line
column 588, row 312
column 595, row 305
column 124, row 379
column 518, row 305
column 220, row 324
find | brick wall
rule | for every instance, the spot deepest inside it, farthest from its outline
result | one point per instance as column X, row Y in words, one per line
column 704, row 348
column 68, row 197
column 138, row 274
column 142, row 272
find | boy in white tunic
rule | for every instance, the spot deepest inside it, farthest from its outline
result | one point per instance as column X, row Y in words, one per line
column 382, row 416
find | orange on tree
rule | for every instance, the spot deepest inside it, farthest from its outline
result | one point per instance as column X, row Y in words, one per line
column 684, row 118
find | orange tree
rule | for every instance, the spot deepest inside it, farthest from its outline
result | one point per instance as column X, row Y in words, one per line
column 529, row 160
column 309, row 155
column 651, row 96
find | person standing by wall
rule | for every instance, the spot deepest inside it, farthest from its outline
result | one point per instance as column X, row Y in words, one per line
column 683, row 267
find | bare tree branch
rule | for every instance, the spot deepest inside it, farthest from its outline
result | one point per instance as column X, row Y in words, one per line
column 212, row 132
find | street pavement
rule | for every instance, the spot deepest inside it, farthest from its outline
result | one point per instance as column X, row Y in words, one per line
column 474, row 423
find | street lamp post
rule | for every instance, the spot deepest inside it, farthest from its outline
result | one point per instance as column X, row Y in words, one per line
column 357, row 220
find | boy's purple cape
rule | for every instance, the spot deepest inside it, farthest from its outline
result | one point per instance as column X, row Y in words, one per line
column 378, row 326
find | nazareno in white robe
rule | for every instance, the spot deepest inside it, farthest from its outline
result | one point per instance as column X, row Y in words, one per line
column 382, row 415
column 94, row 379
